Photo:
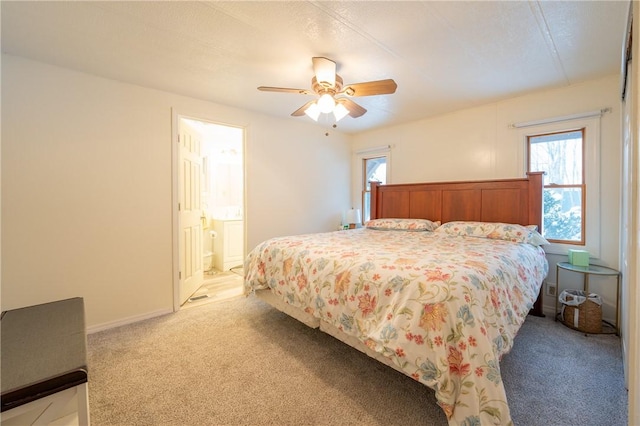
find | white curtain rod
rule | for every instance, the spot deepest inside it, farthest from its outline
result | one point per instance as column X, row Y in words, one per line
column 559, row 119
column 377, row 148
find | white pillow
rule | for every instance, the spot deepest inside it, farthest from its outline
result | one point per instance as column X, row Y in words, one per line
column 495, row 231
column 393, row 224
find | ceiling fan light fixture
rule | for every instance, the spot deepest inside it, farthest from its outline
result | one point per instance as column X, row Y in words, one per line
column 326, row 103
column 313, row 111
column 327, row 85
column 340, row 112
column 325, row 70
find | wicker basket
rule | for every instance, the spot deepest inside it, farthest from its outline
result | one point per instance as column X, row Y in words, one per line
column 585, row 317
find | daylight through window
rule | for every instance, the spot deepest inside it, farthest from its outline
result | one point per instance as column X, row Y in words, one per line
column 561, row 156
column 375, row 169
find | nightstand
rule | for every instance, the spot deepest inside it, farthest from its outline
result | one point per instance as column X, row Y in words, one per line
column 587, row 271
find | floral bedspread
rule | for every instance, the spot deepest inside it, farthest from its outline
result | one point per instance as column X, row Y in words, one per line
column 443, row 308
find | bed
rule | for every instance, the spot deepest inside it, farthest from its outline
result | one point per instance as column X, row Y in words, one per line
column 436, row 285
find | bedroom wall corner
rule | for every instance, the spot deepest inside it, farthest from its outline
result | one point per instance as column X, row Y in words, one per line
column 295, row 185
column 87, row 187
column 478, row 143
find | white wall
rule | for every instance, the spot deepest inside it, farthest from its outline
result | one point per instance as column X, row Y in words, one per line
column 86, row 187
column 477, row 143
column 86, row 172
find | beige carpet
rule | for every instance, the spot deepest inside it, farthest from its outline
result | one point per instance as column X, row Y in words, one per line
column 240, row 362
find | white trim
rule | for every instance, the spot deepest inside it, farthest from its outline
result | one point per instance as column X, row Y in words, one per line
column 175, row 237
column 630, row 251
column 175, row 117
column 127, row 321
column 383, row 148
column 551, row 120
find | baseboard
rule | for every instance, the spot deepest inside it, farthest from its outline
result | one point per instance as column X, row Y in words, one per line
column 126, row 321
column 548, row 310
column 625, row 361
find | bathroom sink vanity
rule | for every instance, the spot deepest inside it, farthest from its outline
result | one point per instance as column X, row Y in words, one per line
column 228, row 246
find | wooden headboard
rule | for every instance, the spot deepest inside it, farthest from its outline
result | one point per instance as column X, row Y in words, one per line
column 503, row 200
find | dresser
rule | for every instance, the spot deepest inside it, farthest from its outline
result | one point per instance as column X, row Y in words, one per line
column 44, row 365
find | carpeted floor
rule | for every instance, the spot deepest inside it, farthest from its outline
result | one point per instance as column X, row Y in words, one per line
column 240, row 362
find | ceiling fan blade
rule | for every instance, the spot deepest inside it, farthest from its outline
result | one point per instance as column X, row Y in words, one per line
column 354, row 109
column 286, row 90
column 370, row 88
column 300, row 111
column 325, row 70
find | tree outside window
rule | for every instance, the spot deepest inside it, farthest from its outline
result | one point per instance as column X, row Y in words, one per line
column 375, row 169
column 561, row 156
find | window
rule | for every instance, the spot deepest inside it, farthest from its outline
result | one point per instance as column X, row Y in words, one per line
column 561, row 156
column 374, row 169
column 586, row 165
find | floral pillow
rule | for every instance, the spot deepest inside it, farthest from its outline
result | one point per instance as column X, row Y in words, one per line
column 402, row 224
column 494, row 231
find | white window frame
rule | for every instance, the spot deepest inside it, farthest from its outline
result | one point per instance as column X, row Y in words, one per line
column 359, row 157
column 591, row 174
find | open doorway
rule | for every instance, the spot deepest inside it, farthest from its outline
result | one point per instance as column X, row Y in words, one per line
column 210, row 216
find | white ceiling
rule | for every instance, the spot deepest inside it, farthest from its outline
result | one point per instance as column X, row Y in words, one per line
column 444, row 56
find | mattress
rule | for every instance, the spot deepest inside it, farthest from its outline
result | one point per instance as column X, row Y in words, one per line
column 441, row 306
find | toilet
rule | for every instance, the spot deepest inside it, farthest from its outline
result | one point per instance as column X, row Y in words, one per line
column 207, row 255
column 207, row 262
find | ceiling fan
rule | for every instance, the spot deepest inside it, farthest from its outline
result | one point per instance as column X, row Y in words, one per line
column 333, row 94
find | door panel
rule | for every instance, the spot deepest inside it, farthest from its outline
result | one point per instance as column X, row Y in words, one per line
column 190, row 214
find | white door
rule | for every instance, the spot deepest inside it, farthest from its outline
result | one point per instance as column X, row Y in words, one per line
column 190, row 210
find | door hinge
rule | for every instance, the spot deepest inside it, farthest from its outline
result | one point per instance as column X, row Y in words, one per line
column 179, row 207
column 179, row 275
